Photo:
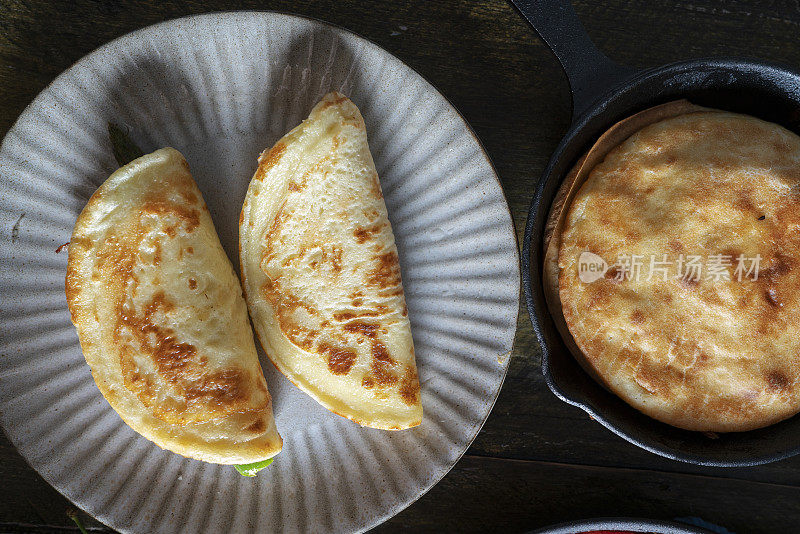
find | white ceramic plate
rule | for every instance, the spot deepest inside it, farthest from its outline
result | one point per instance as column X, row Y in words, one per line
column 220, row 88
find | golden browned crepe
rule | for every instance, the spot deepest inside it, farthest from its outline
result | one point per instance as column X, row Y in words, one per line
column 709, row 354
column 161, row 318
column 321, row 272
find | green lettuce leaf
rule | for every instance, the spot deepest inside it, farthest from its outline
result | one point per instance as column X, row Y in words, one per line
column 251, row 470
column 125, row 150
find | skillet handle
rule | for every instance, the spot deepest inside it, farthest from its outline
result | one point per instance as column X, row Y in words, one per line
column 590, row 73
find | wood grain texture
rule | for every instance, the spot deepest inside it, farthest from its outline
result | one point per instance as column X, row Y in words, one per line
column 537, row 460
column 526, row 494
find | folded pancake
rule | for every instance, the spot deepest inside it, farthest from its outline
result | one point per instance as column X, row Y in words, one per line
column 161, row 318
column 717, row 350
column 321, row 272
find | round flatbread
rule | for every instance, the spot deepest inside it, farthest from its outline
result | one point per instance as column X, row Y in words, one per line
column 694, row 318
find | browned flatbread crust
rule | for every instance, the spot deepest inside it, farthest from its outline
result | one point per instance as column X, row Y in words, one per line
column 161, row 318
column 322, row 275
column 714, row 355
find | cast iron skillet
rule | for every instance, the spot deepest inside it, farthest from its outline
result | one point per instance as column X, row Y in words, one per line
column 602, row 94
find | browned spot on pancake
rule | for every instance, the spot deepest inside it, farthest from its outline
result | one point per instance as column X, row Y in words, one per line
column 165, row 209
column 404, row 313
column 331, row 256
column 336, row 259
column 340, row 359
column 266, row 162
column 382, row 366
column 185, row 165
column 711, row 295
column 157, row 253
column 598, row 296
column 357, row 298
column 675, row 245
column 62, row 247
column 771, row 297
column 387, row 272
column 663, row 294
column 781, row 147
column 731, row 255
column 294, row 186
column 777, row 380
column 274, row 230
column 227, row 389
column 365, row 329
column 376, row 187
column 653, row 377
column 321, row 166
column 779, row 266
column 632, row 234
column 338, row 99
column 745, row 202
column 241, row 217
column 354, row 123
column 637, row 317
column 257, row 427
column 189, row 196
column 361, row 235
column 409, row 387
column 284, row 306
column 158, row 302
column 613, row 274
column 192, row 283
column 190, row 250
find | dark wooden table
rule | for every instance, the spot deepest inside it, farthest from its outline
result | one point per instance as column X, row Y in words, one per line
column 537, row 461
